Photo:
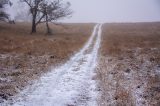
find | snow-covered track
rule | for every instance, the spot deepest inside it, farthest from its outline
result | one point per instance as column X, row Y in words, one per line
column 70, row 84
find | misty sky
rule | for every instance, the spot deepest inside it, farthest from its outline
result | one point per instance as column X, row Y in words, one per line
column 114, row 10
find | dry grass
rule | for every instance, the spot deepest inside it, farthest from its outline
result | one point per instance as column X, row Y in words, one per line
column 66, row 38
column 129, row 71
column 24, row 57
column 121, row 37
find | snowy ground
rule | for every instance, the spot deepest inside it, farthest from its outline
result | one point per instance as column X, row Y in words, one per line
column 129, row 65
column 71, row 84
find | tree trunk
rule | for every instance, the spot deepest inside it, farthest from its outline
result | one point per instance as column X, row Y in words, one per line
column 47, row 26
column 34, row 16
column 34, row 25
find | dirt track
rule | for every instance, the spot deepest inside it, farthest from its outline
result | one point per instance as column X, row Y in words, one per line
column 128, row 72
column 68, row 84
column 24, row 57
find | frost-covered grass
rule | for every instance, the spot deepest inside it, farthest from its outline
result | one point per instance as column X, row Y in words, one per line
column 128, row 70
column 68, row 84
column 25, row 57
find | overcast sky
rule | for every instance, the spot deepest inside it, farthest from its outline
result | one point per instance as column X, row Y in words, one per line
column 114, row 10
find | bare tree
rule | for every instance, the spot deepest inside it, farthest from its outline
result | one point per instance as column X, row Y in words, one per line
column 34, row 6
column 3, row 15
column 54, row 11
column 44, row 11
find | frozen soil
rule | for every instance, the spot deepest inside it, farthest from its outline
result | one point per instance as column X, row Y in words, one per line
column 25, row 57
column 128, row 73
column 70, row 84
column 129, row 66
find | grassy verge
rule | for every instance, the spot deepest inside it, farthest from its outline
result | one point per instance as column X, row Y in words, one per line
column 129, row 69
column 24, row 57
